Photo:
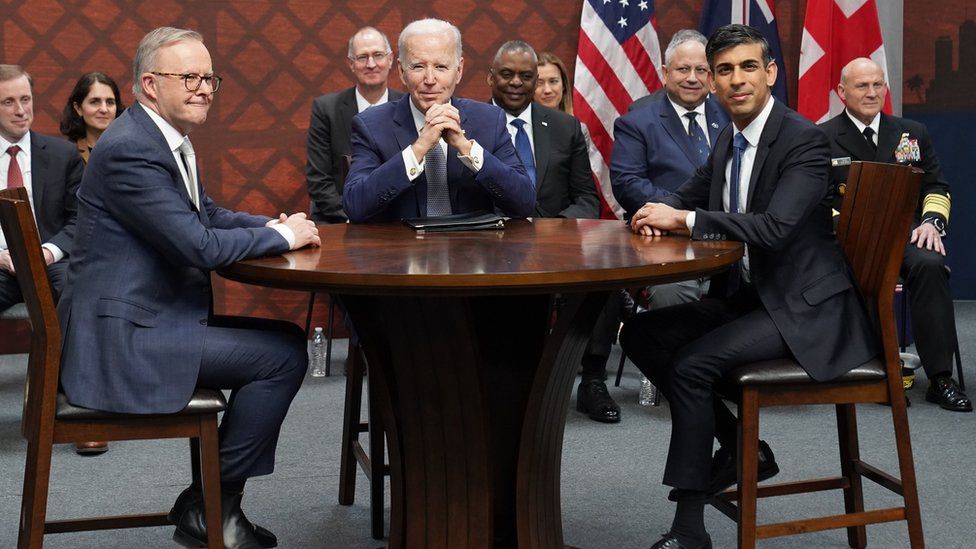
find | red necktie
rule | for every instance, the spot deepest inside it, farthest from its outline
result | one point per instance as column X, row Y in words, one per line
column 14, row 177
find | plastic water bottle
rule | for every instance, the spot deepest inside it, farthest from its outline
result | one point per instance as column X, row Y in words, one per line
column 316, row 357
column 646, row 395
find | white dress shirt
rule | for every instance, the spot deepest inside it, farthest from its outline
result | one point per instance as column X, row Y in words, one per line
column 362, row 103
column 24, row 161
column 700, row 119
column 874, row 125
column 414, row 168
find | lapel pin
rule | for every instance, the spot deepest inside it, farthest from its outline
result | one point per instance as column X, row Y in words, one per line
column 715, row 125
column 544, row 123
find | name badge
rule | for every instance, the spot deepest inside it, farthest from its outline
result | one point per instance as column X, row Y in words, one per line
column 838, row 162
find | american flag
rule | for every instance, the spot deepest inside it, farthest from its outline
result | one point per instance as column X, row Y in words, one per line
column 834, row 33
column 759, row 14
column 618, row 61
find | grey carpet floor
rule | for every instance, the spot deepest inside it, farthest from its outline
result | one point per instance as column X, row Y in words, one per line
column 611, row 491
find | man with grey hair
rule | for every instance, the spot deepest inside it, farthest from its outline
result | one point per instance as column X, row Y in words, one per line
column 49, row 168
column 429, row 153
column 139, row 334
column 370, row 60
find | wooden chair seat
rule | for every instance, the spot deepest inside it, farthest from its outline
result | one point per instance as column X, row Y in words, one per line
column 203, row 401
column 786, row 371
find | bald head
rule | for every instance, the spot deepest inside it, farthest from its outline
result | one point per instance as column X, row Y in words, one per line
column 863, row 89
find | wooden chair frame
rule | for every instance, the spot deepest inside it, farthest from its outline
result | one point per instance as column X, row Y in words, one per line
column 875, row 217
column 43, row 428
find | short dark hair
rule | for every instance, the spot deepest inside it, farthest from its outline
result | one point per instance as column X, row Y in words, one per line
column 734, row 35
column 72, row 124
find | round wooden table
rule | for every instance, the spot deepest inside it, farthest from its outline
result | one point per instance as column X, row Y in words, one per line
column 472, row 374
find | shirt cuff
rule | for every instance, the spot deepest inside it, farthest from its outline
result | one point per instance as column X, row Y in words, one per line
column 286, row 232
column 414, row 168
column 475, row 158
column 690, row 221
column 55, row 251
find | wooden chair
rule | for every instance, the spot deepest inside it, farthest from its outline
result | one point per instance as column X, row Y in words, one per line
column 49, row 419
column 373, row 463
column 878, row 207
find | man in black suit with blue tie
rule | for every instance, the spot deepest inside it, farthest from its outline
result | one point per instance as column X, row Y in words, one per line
column 766, row 184
column 136, row 314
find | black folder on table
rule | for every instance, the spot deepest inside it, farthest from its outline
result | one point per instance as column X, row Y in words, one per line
column 474, row 221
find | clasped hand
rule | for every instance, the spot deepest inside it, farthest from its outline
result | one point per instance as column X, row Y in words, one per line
column 657, row 219
column 442, row 120
column 303, row 228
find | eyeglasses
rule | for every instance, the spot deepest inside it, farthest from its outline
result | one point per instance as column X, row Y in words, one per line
column 192, row 82
column 376, row 56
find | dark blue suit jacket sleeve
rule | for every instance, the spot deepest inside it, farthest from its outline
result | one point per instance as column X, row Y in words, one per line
column 632, row 185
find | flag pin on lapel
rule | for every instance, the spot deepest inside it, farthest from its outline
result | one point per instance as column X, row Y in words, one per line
column 715, row 125
column 544, row 123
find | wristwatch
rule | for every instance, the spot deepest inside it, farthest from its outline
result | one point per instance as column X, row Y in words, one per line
column 937, row 223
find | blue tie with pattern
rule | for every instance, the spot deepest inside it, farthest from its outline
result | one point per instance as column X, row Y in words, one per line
column 524, row 148
column 435, row 168
column 697, row 136
column 739, row 145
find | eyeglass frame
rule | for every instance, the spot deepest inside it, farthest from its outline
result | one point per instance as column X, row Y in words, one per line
column 376, row 56
column 212, row 80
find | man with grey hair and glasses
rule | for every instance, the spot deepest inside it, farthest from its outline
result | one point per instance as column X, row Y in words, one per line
column 429, row 153
column 370, row 60
column 139, row 334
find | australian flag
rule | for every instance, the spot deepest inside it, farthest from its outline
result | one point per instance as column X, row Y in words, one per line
column 755, row 13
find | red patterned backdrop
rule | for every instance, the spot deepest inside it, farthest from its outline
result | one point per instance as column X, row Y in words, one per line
column 275, row 57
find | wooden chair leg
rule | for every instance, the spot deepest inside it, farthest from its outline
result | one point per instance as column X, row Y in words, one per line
column 850, row 453
column 906, row 464
column 748, row 467
column 377, row 468
column 33, row 505
column 195, row 460
column 209, row 456
column 308, row 314
column 350, row 426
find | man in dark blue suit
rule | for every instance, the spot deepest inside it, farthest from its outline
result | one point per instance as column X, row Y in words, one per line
column 139, row 335
column 766, row 183
column 657, row 147
column 49, row 168
column 429, row 153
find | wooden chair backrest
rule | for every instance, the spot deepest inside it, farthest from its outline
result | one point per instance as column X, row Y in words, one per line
column 879, row 204
column 41, row 388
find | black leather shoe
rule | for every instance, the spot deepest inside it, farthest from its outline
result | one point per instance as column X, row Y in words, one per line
column 188, row 516
column 593, row 399
column 669, row 541
column 944, row 391
column 724, row 467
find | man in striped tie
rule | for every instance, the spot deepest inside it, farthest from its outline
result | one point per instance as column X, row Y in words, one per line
column 429, row 153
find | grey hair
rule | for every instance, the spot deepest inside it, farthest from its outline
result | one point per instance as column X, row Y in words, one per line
column 363, row 31
column 149, row 47
column 428, row 26
column 679, row 38
column 513, row 46
column 10, row 72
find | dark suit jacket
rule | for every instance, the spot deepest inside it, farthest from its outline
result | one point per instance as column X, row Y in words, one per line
column 56, row 170
column 138, row 296
column 328, row 141
column 652, row 153
column 378, row 189
column 647, row 100
column 564, row 182
column 796, row 265
column 847, row 142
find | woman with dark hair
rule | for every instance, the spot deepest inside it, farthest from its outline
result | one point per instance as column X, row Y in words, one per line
column 553, row 88
column 93, row 105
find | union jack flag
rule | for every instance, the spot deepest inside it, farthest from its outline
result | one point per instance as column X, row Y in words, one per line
column 618, row 61
column 758, row 14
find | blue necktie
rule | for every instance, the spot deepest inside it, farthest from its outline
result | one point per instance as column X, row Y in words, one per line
column 524, row 148
column 739, row 145
column 697, row 136
column 435, row 168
